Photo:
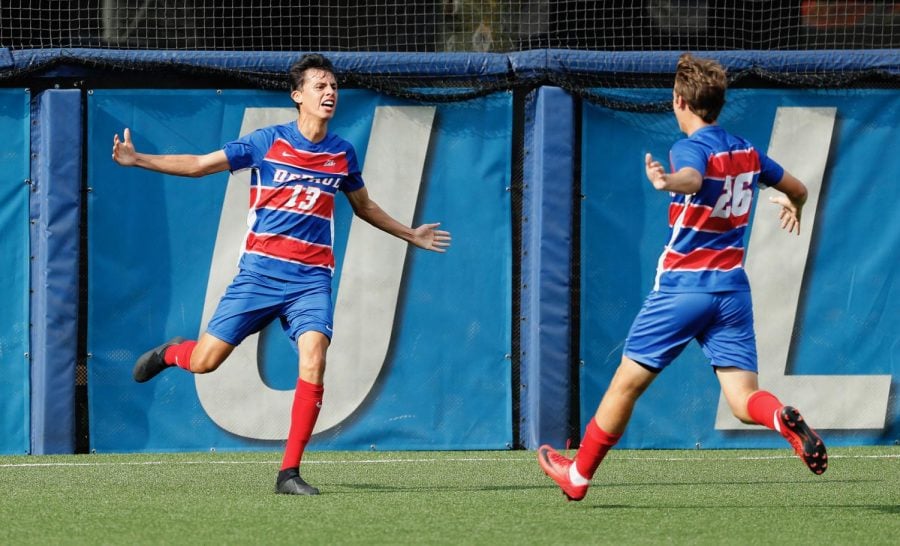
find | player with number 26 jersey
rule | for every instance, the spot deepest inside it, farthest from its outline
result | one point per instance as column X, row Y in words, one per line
column 701, row 291
column 705, row 252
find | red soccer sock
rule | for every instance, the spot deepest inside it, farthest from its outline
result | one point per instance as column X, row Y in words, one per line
column 594, row 445
column 304, row 412
column 180, row 355
column 762, row 407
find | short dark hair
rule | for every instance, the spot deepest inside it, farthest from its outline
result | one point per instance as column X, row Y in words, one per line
column 701, row 83
column 310, row 60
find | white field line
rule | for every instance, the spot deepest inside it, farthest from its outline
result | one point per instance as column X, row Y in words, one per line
column 428, row 460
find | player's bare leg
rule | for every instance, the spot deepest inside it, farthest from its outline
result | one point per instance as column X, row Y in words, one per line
column 209, row 354
column 737, row 387
column 627, row 385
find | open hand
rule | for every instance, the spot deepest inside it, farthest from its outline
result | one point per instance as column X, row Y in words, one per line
column 429, row 238
column 790, row 213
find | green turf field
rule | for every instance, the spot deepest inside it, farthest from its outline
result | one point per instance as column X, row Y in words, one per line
column 638, row 497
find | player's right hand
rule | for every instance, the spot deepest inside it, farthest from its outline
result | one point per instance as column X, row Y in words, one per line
column 656, row 173
column 123, row 150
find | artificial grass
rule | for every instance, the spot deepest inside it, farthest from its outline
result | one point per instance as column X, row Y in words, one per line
column 638, row 497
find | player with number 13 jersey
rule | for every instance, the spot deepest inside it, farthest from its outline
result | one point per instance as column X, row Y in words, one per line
column 287, row 257
column 292, row 189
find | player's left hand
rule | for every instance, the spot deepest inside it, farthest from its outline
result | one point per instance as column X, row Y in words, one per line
column 429, row 238
column 790, row 213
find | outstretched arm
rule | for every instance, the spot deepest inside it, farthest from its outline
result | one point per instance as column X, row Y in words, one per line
column 124, row 154
column 791, row 202
column 687, row 180
column 425, row 236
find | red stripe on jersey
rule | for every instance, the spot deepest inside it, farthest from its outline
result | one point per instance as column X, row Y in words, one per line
column 306, row 199
column 732, row 163
column 283, row 153
column 704, row 259
column 698, row 217
column 293, row 250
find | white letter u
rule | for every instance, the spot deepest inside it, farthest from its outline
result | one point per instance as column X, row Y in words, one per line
column 235, row 396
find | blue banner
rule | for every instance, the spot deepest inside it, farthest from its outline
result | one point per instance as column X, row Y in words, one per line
column 14, row 189
column 436, row 376
column 837, row 353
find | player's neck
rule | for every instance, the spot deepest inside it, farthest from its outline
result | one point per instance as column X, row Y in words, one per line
column 692, row 124
column 313, row 129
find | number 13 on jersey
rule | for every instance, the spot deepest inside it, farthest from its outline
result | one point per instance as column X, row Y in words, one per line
column 304, row 197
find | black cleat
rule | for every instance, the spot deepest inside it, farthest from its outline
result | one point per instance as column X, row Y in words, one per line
column 289, row 482
column 152, row 362
column 806, row 443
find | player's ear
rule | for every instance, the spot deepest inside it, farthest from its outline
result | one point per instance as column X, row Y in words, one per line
column 297, row 96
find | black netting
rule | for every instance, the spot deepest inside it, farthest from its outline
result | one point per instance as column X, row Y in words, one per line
column 428, row 26
column 77, row 32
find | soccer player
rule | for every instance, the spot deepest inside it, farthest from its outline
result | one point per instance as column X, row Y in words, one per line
column 287, row 261
column 701, row 290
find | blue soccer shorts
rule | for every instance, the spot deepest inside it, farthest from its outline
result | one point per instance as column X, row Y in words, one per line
column 252, row 301
column 722, row 323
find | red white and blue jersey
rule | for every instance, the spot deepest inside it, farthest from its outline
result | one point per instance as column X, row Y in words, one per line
column 705, row 252
column 293, row 186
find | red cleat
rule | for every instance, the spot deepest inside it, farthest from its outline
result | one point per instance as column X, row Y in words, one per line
column 805, row 441
column 557, row 467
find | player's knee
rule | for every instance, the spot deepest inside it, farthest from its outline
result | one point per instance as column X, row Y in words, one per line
column 631, row 379
column 741, row 413
column 203, row 363
column 632, row 390
column 312, row 369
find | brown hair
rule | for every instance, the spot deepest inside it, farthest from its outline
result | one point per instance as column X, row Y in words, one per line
column 701, row 83
column 306, row 62
column 310, row 60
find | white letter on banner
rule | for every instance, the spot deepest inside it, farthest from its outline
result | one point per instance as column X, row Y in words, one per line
column 235, row 396
column 776, row 262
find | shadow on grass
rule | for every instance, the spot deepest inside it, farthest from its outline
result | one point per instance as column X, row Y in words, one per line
column 761, row 481
column 380, row 488
column 886, row 508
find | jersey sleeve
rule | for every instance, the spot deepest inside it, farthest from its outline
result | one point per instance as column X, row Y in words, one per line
column 354, row 180
column 248, row 151
column 770, row 172
column 687, row 153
